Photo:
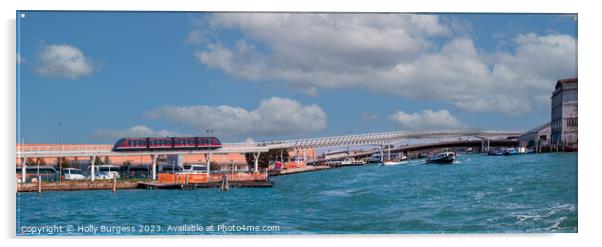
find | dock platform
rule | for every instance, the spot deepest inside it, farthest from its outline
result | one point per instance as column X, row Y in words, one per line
column 190, row 186
column 298, row 170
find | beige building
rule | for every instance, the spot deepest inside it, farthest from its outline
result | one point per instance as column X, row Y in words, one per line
column 564, row 120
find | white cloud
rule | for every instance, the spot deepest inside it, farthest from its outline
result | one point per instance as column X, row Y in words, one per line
column 427, row 119
column 196, row 37
column 368, row 116
column 391, row 54
column 63, row 61
column 135, row 131
column 273, row 116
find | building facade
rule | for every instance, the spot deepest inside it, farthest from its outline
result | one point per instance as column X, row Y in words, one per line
column 564, row 119
column 538, row 138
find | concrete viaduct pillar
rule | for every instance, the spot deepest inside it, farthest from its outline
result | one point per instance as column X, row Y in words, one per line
column 92, row 169
column 154, row 158
column 23, row 169
column 256, row 161
column 208, row 164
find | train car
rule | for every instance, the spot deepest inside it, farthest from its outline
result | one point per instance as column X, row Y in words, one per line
column 166, row 143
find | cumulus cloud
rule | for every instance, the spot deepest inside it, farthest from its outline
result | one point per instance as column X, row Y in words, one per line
column 273, row 116
column 368, row 116
column 427, row 119
column 391, row 54
column 63, row 61
column 135, row 131
column 196, row 37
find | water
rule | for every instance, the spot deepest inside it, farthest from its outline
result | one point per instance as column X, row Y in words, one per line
column 527, row 193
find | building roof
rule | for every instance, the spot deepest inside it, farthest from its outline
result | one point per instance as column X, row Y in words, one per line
column 567, row 80
column 540, row 127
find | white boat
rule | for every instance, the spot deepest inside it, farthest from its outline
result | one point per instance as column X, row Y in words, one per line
column 352, row 161
column 392, row 163
column 401, row 159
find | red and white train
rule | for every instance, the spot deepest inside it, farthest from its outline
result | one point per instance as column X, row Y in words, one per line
column 166, row 143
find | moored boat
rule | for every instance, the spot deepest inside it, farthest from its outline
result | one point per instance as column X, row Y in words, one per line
column 352, row 162
column 392, row 163
column 495, row 152
column 442, row 158
column 511, row 151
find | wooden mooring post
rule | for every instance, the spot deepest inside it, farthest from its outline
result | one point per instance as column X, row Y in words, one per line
column 114, row 184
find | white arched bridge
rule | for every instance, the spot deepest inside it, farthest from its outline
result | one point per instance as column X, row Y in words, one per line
column 380, row 139
column 388, row 138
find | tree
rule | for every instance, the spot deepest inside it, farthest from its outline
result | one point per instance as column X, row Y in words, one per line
column 40, row 161
column 35, row 162
column 30, row 162
column 98, row 161
column 265, row 158
column 107, row 160
column 62, row 162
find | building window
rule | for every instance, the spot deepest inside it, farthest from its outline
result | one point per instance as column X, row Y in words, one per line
column 571, row 122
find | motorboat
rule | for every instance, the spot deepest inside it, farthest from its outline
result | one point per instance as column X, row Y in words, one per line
column 392, row 163
column 352, row 162
column 511, row 151
column 442, row 158
column 495, row 152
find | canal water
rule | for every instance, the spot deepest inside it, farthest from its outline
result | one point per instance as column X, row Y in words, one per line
column 478, row 194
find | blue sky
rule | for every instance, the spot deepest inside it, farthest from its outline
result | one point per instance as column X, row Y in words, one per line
column 276, row 76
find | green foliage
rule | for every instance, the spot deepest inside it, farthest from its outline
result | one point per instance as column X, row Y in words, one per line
column 107, row 160
column 98, row 161
column 62, row 162
column 266, row 158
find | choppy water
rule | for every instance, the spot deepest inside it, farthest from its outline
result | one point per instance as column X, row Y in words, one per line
column 527, row 193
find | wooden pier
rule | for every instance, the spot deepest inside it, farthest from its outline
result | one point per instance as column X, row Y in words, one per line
column 298, row 170
column 76, row 185
column 190, row 186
